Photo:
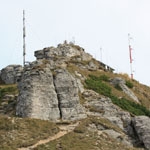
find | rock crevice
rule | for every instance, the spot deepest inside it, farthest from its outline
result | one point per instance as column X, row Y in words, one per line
column 59, row 105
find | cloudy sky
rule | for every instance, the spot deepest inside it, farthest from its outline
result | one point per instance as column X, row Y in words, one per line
column 93, row 24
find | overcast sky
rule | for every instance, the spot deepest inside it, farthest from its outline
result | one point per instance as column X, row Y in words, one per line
column 94, row 24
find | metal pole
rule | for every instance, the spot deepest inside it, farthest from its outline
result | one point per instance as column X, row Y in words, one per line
column 130, row 55
column 101, row 53
column 24, row 46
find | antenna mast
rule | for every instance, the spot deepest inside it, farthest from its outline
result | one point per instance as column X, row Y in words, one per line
column 101, row 53
column 24, row 36
column 130, row 55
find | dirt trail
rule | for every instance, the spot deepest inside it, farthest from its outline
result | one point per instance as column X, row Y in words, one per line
column 64, row 129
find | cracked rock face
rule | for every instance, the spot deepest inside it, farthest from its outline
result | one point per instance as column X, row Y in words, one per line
column 37, row 97
column 103, row 106
column 67, row 91
column 49, row 97
column 142, row 128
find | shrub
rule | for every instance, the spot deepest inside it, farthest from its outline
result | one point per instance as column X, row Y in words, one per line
column 97, row 85
column 117, row 86
column 129, row 84
column 104, row 78
column 130, row 106
column 100, row 78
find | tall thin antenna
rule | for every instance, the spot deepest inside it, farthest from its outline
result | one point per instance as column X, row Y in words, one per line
column 101, row 54
column 130, row 55
column 24, row 36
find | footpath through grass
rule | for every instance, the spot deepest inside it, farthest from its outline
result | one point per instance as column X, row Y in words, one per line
column 17, row 132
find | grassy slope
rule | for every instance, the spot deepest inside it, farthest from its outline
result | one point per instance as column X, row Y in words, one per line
column 82, row 138
column 16, row 132
column 100, row 84
column 8, row 98
column 140, row 90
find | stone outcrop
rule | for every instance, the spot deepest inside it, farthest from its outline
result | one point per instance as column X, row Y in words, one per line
column 64, row 53
column 47, row 90
column 142, row 128
column 68, row 95
column 37, row 97
column 63, row 50
column 11, row 74
column 103, row 106
column 137, row 128
column 121, row 82
column 48, row 95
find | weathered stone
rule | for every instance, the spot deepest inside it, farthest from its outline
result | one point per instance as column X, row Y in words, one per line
column 67, row 91
column 37, row 97
column 63, row 50
column 102, row 106
column 11, row 74
column 121, row 82
column 49, row 96
column 8, row 97
column 80, row 86
column 92, row 66
column 142, row 128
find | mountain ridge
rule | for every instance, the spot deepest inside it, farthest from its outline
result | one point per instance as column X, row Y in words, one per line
column 67, row 84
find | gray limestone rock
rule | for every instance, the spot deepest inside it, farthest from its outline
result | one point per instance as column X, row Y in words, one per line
column 48, row 95
column 104, row 107
column 67, row 91
column 92, row 66
column 11, row 74
column 37, row 96
column 121, row 82
column 63, row 50
column 142, row 128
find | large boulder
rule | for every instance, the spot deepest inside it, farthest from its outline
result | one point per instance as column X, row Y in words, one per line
column 121, row 82
column 11, row 74
column 142, row 128
column 48, row 95
column 37, row 96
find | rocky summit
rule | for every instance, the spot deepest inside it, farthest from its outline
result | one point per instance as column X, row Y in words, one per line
column 66, row 84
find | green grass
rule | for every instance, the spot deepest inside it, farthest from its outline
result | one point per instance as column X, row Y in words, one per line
column 129, row 84
column 8, row 89
column 130, row 106
column 98, row 84
column 17, row 132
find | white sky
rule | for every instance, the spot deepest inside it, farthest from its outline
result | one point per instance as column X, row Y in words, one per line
column 93, row 24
